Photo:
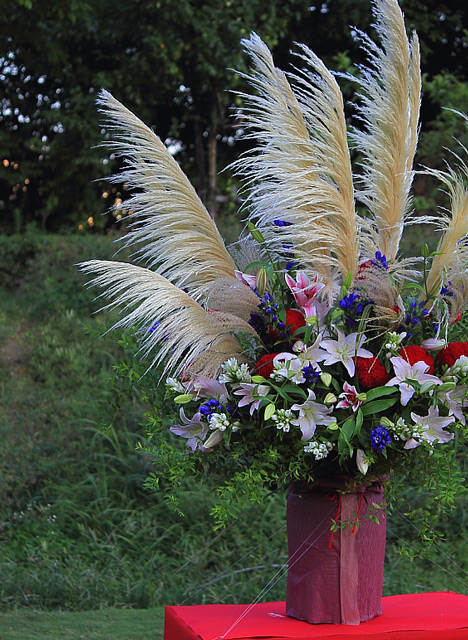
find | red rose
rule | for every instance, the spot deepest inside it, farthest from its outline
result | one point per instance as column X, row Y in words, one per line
column 264, row 366
column 294, row 320
column 413, row 354
column 371, row 373
column 450, row 354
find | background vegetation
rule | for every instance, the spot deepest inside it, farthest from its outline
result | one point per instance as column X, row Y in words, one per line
column 78, row 531
column 171, row 63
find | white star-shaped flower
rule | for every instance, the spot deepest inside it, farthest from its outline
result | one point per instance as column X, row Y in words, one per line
column 433, row 428
column 311, row 414
column 405, row 371
column 345, row 350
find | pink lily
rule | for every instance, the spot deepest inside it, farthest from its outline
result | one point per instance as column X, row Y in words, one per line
column 350, row 398
column 246, row 278
column 302, row 289
column 311, row 414
column 194, row 430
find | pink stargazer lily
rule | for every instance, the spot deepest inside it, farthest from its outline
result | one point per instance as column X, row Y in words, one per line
column 349, row 398
column 303, row 290
column 246, row 278
column 405, row 371
column 318, row 310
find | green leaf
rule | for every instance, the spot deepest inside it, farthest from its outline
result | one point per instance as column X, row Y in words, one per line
column 377, row 406
column 413, row 285
column 282, row 393
column 348, row 280
column 258, row 379
column 348, row 429
column 378, row 392
column 359, row 421
column 270, row 410
column 345, row 436
column 254, row 265
column 294, row 390
column 365, row 314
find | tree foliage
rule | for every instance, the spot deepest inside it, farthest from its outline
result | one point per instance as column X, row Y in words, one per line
column 171, row 63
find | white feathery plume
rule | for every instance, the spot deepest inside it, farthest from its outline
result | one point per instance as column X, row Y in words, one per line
column 452, row 248
column 174, row 327
column 245, row 250
column 231, row 296
column 300, row 172
column 391, row 90
column 179, row 238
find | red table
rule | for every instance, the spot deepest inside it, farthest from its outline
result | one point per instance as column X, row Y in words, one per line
column 428, row 616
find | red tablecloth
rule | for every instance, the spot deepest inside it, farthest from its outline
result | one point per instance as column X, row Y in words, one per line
column 431, row 616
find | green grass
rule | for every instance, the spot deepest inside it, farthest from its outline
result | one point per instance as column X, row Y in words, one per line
column 78, row 532
column 111, row 624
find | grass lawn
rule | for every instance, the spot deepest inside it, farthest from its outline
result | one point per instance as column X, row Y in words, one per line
column 108, row 624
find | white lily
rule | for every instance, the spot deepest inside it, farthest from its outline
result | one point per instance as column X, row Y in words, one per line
column 457, row 400
column 345, row 350
column 252, row 394
column 311, row 414
column 405, row 371
column 432, row 428
column 362, row 461
column 288, row 366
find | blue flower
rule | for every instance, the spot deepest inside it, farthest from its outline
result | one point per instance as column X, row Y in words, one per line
column 212, row 406
column 447, row 290
column 380, row 438
column 353, row 306
column 310, row 374
column 416, row 312
column 380, row 260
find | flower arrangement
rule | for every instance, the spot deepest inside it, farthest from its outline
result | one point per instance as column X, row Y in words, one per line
column 309, row 347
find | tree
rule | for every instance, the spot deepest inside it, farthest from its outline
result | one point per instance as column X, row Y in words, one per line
column 170, row 63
